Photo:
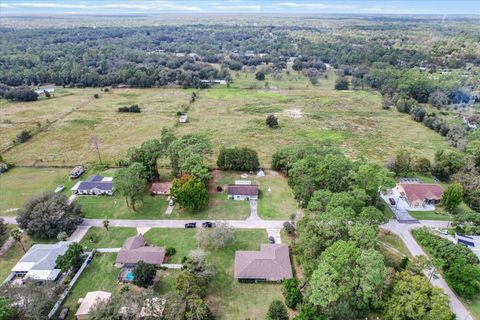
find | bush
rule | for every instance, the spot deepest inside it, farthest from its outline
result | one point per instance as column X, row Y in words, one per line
column 260, row 75
column 21, row 94
column 291, row 292
column 342, row 83
column 133, row 109
column 171, row 251
column 96, row 96
column 23, row 136
column 464, row 278
column 272, row 121
column 288, row 227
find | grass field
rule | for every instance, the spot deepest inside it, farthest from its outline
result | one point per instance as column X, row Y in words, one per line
column 182, row 240
column 101, row 238
column 228, row 116
column 429, row 215
column 19, row 184
column 392, row 248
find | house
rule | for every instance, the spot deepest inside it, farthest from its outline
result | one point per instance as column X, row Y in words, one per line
column 135, row 250
column 161, row 188
column 88, row 303
column 39, row 263
column 95, row 185
column 420, row 194
column 240, row 191
column 271, row 263
column 215, row 81
column 183, row 118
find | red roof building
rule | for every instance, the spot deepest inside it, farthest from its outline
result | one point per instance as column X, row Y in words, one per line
column 420, row 194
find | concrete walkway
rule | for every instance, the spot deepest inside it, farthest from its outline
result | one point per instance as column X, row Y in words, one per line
column 78, row 234
column 275, row 233
column 169, row 209
column 108, row 250
column 253, row 211
column 171, row 265
column 403, row 231
column 71, row 198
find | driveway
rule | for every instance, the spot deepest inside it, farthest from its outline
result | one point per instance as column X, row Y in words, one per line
column 275, row 233
column 398, row 209
column 78, row 234
column 253, row 211
column 403, row 231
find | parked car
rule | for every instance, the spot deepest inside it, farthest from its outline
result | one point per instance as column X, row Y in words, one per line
column 63, row 314
column 392, row 201
column 208, row 224
column 271, row 240
column 59, row 189
column 171, row 203
column 190, row 225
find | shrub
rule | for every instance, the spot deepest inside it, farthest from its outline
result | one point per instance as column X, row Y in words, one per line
column 171, row 251
column 23, row 136
column 464, row 278
column 277, row 311
column 291, row 292
column 96, row 96
column 260, row 75
column 240, row 159
column 21, row 94
column 342, row 83
column 288, row 227
column 143, row 274
column 272, row 121
column 133, row 109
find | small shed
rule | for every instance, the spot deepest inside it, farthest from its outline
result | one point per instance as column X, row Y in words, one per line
column 161, row 188
column 183, row 118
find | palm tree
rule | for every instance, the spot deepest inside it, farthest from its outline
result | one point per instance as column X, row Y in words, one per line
column 16, row 234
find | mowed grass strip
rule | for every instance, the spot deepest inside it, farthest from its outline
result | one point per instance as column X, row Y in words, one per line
column 114, row 237
column 183, row 240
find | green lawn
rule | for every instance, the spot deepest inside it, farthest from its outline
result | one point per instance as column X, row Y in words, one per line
column 429, row 215
column 101, row 238
column 473, row 305
column 392, row 248
column 183, row 240
column 19, row 184
column 276, row 198
column 114, row 207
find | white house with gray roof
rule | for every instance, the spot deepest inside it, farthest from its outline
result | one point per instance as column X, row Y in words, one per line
column 39, row 263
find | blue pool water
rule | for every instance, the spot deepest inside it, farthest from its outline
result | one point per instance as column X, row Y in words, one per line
column 129, row 276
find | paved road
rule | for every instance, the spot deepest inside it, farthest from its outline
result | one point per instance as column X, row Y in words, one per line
column 403, row 231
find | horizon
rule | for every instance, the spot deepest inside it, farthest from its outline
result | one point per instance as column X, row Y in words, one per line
column 206, row 7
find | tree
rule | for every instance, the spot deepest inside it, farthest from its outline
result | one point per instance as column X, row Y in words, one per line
column 3, row 228
column 21, row 94
column 372, row 178
column 95, row 142
column 464, row 278
column 422, row 165
column 222, row 235
column 149, row 153
column 16, row 235
column 72, row 259
column 23, row 136
column 342, row 83
column 403, row 163
column 62, row 236
column 189, row 192
column 448, row 162
column 291, row 292
column 144, row 274
column 468, row 222
column 277, row 311
column 452, row 197
column 187, row 284
column 197, row 309
column 196, row 264
column 413, row 297
column 7, row 310
column 239, row 159
column 272, row 121
column 183, row 149
column 260, row 75
column 288, row 227
column 32, row 300
column 130, row 182
column 337, row 298
column 438, row 99
column 48, row 214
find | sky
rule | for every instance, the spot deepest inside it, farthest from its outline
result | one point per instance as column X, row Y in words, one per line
column 111, row 7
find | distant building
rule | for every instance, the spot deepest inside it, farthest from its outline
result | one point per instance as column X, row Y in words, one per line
column 271, row 263
column 95, row 185
column 161, row 188
column 39, row 263
column 242, row 191
column 44, row 91
column 89, row 302
column 183, row 118
column 420, row 194
column 215, row 81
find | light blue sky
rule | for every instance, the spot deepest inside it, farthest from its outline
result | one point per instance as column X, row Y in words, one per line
column 239, row 6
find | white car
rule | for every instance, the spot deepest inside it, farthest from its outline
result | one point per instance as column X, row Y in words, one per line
column 59, row 189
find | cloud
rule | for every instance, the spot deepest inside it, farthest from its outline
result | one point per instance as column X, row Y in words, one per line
column 139, row 5
column 312, row 6
column 238, row 8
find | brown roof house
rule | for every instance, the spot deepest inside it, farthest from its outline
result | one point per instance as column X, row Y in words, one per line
column 135, row 250
column 161, row 188
column 271, row 263
column 89, row 302
column 242, row 190
column 420, row 194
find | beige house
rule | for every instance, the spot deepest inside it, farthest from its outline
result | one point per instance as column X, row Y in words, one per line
column 88, row 303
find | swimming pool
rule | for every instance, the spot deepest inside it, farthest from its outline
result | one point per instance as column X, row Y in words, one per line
column 128, row 276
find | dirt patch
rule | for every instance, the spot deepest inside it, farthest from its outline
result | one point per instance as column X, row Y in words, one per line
column 212, row 185
column 294, row 113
